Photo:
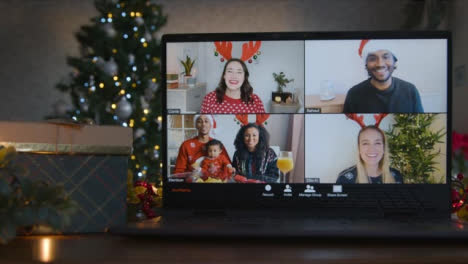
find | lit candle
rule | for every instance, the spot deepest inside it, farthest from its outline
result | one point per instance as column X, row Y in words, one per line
column 46, row 249
column 278, row 99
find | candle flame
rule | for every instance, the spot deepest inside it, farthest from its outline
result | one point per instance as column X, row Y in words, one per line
column 46, row 248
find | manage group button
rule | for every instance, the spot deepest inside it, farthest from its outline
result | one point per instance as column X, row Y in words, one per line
column 310, row 191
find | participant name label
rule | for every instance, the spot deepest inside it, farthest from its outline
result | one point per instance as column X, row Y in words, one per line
column 173, row 111
column 176, row 180
column 313, row 110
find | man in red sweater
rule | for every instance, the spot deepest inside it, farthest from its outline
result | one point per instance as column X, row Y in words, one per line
column 194, row 148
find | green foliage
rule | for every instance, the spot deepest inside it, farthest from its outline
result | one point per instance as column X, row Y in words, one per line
column 120, row 60
column 25, row 203
column 188, row 64
column 412, row 144
column 281, row 80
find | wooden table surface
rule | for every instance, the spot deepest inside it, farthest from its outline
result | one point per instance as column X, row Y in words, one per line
column 106, row 248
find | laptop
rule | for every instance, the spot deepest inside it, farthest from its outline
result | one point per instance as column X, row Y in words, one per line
column 307, row 134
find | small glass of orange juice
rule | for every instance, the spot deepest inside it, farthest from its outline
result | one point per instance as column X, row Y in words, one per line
column 285, row 163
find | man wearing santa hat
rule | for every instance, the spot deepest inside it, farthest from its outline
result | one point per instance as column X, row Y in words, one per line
column 194, row 148
column 382, row 92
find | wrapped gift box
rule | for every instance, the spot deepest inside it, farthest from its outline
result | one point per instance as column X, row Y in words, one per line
column 90, row 161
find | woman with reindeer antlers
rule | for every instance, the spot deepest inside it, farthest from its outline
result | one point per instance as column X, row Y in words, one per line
column 234, row 93
column 254, row 159
column 373, row 164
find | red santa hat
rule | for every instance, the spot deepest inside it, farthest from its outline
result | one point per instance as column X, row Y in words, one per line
column 368, row 46
column 212, row 122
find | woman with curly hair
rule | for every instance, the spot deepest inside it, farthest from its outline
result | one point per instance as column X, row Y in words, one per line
column 234, row 94
column 254, row 159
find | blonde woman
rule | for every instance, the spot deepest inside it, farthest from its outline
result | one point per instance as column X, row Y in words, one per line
column 373, row 165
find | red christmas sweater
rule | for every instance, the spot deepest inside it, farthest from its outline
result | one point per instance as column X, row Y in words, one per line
column 230, row 105
column 189, row 152
column 215, row 167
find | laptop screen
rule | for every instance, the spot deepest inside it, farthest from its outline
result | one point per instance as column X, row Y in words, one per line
column 297, row 118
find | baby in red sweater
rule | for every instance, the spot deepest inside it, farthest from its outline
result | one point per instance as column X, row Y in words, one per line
column 215, row 165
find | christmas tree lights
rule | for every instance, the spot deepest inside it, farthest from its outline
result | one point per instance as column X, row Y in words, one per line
column 115, row 78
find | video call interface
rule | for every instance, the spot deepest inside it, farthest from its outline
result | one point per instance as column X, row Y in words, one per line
column 360, row 111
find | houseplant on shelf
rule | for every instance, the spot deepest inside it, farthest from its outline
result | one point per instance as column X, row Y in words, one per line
column 280, row 96
column 188, row 65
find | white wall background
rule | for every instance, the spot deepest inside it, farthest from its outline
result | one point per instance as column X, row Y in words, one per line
column 37, row 35
column 276, row 56
column 331, row 144
column 421, row 62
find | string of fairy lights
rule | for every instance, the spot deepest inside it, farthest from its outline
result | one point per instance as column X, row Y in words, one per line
column 125, row 83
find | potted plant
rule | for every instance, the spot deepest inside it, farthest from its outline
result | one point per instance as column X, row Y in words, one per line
column 280, row 96
column 188, row 65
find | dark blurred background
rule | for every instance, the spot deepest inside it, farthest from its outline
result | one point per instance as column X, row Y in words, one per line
column 37, row 35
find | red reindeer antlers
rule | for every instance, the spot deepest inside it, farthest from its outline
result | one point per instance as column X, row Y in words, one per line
column 360, row 119
column 378, row 118
column 249, row 49
column 243, row 119
column 357, row 118
column 260, row 119
column 224, row 48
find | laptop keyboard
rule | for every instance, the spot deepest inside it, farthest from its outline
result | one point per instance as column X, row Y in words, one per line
column 378, row 210
column 298, row 224
column 376, row 201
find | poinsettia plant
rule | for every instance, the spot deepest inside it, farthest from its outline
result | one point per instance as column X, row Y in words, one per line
column 460, row 152
column 459, row 175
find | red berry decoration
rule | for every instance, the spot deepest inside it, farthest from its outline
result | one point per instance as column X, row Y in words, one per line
column 222, row 59
column 458, row 196
column 250, row 61
column 460, row 176
column 455, row 201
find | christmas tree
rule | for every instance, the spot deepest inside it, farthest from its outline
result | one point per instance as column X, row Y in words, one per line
column 116, row 78
column 412, row 144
